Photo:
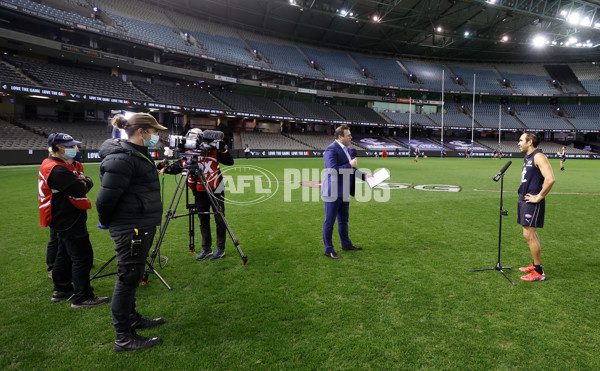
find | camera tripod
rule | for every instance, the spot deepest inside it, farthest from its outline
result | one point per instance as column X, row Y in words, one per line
column 193, row 169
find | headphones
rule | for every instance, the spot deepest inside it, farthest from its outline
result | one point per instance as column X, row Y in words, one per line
column 52, row 146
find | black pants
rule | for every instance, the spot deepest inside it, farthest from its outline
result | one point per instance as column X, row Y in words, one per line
column 203, row 205
column 51, row 249
column 130, row 270
column 74, row 258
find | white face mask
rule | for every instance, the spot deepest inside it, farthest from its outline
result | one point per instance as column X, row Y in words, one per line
column 70, row 153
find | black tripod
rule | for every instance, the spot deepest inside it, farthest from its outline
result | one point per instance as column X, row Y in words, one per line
column 192, row 168
column 499, row 267
column 150, row 269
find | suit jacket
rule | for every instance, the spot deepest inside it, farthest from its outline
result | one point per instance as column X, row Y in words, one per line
column 339, row 178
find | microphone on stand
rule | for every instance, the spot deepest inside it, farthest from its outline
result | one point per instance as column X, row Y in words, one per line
column 501, row 173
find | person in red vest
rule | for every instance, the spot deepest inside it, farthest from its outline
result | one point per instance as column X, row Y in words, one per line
column 63, row 205
column 208, row 163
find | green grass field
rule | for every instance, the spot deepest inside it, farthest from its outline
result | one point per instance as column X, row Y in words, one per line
column 408, row 301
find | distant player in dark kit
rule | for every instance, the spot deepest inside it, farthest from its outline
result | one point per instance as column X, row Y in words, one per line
column 537, row 179
column 563, row 158
column 417, row 154
column 468, row 153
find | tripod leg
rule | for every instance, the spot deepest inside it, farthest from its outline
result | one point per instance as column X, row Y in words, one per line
column 153, row 271
column 170, row 214
column 215, row 205
column 96, row 275
column 514, row 284
column 191, row 232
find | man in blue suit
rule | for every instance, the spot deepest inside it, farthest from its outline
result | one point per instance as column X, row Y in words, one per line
column 337, row 187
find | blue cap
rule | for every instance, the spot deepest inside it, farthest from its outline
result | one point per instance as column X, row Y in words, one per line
column 61, row 139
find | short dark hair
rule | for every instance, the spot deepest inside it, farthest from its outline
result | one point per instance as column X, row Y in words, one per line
column 534, row 138
column 339, row 131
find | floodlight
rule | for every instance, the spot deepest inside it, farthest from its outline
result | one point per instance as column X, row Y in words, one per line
column 439, row 29
column 574, row 18
column 564, row 13
column 467, row 33
column 586, row 22
column 539, row 41
column 375, row 18
column 505, row 38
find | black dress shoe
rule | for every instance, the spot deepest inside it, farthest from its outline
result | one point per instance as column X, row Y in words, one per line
column 351, row 248
column 333, row 255
column 132, row 341
column 143, row 322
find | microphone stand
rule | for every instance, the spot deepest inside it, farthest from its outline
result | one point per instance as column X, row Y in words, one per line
column 499, row 266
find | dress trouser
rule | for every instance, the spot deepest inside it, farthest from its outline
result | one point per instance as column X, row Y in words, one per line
column 131, row 262
column 340, row 210
column 74, row 258
column 203, row 205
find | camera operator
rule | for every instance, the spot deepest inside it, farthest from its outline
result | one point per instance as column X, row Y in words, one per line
column 63, row 207
column 129, row 204
column 208, row 164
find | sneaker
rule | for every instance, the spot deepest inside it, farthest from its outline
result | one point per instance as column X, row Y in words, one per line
column 534, row 276
column 528, row 269
column 61, row 296
column 91, row 303
column 204, row 254
column 218, row 255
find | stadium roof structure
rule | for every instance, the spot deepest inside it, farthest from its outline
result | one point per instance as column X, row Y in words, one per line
column 474, row 30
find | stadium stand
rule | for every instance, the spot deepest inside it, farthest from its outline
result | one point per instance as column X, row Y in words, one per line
column 309, row 110
column 9, row 74
column 582, row 117
column 486, row 114
column 540, row 117
column 403, row 118
column 358, row 114
column 181, row 95
column 258, row 141
column 14, row 137
column 285, row 58
column 73, row 79
column 452, row 117
column 589, row 76
column 486, row 79
column 386, row 72
column 250, row 104
column 336, row 65
column 527, row 79
column 430, row 75
column 314, row 140
column 90, row 134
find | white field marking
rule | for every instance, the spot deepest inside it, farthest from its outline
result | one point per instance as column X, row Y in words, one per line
column 552, row 193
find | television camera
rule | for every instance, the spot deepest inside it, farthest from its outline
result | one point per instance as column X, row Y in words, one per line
column 189, row 153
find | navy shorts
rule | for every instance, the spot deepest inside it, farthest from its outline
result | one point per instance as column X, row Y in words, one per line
column 530, row 214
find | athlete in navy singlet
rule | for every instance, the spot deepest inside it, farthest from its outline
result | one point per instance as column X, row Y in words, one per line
column 563, row 158
column 537, row 179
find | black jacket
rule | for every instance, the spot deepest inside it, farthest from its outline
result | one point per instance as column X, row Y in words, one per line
column 129, row 195
column 64, row 214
